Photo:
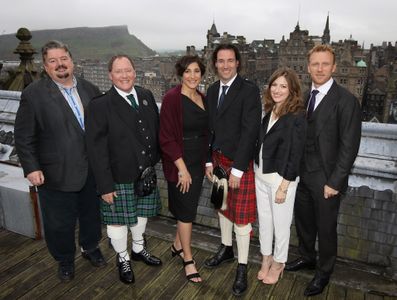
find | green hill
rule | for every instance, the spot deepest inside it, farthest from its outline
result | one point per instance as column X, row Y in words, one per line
column 84, row 42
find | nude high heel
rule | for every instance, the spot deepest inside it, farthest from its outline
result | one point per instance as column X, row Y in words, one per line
column 275, row 272
column 266, row 264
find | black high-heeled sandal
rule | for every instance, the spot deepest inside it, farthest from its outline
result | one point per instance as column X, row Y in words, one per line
column 193, row 275
column 175, row 252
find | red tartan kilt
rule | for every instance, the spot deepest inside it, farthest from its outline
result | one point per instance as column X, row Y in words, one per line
column 241, row 203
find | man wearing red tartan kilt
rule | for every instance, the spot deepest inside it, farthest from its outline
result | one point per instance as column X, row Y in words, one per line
column 234, row 107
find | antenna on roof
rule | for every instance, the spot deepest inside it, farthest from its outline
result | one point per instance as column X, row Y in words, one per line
column 299, row 12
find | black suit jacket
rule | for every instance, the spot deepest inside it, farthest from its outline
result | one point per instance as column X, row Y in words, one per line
column 283, row 145
column 336, row 124
column 235, row 125
column 116, row 146
column 48, row 136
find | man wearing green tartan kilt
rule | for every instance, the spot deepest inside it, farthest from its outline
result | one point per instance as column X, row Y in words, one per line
column 122, row 141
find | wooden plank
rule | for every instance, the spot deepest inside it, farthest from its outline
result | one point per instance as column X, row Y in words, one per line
column 353, row 294
column 23, row 251
column 171, row 269
column 78, row 285
column 297, row 288
column 336, row 292
column 282, row 289
column 27, row 271
column 17, row 267
column 26, row 275
column 262, row 291
column 180, row 282
column 373, row 297
column 209, row 287
column 11, row 241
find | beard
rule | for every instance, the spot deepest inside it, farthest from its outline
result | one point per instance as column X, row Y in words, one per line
column 63, row 76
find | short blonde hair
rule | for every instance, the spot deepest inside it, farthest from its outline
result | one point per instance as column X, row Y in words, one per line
column 321, row 48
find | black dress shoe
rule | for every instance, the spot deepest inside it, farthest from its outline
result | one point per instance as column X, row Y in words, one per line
column 240, row 283
column 95, row 257
column 224, row 254
column 316, row 286
column 66, row 270
column 146, row 257
column 299, row 264
column 126, row 274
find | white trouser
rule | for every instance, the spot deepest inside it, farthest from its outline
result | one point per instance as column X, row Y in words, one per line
column 274, row 217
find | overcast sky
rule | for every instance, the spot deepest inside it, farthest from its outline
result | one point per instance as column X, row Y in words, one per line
column 174, row 24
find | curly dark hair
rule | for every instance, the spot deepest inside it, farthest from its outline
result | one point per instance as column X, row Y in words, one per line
column 182, row 64
column 294, row 102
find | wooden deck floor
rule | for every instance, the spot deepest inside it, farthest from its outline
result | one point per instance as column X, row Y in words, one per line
column 27, row 271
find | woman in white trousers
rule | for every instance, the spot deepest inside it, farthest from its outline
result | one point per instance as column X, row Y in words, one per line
column 279, row 153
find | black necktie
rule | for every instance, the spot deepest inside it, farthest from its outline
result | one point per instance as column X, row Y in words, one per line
column 133, row 101
column 222, row 96
column 312, row 102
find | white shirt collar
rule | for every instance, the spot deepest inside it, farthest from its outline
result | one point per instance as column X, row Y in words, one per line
column 124, row 94
column 323, row 89
column 229, row 83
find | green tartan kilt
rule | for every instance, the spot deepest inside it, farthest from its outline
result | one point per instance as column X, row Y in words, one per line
column 128, row 207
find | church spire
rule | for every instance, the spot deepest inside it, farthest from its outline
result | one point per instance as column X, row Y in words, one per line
column 326, row 38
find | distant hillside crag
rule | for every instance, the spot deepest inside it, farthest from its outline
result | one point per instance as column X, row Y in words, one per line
column 84, row 42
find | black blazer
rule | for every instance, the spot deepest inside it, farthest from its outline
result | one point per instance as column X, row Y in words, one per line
column 283, row 145
column 48, row 136
column 336, row 124
column 116, row 146
column 236, row 125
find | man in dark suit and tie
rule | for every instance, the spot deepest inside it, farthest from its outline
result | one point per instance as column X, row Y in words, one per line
column 50, row 142
column 332, row 142
column 234, row 108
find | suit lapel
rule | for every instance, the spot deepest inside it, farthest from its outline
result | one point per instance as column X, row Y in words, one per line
column 280, row 123
column 265, row 123
column 85, row 99
column 57, row 96
column 213, row 99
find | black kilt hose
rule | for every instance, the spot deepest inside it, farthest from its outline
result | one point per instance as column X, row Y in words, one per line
column 128, row 207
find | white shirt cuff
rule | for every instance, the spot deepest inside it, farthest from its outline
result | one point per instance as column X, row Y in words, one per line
column 208, row 164
column 237, row 172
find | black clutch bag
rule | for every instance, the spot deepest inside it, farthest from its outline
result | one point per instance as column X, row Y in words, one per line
column 146, row 183
column 219, row 188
